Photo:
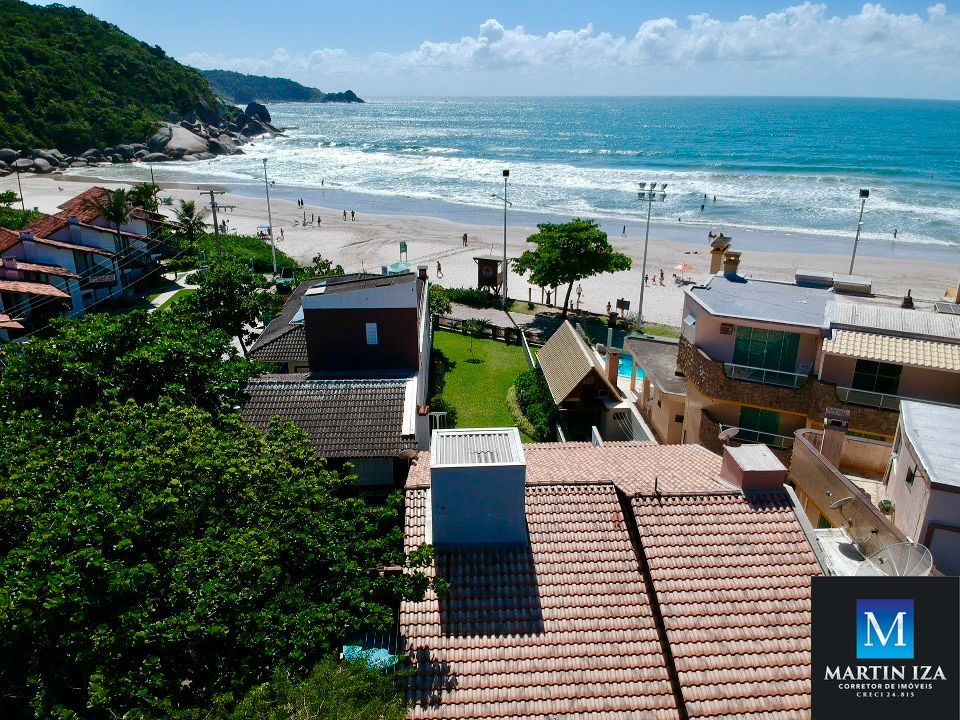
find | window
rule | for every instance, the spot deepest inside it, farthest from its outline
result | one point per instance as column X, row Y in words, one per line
column 758, row 425
column 823, row 523
column 372, row 335
column 678, row 418
column 877, row 377
column 767, row 349
column 911, row 475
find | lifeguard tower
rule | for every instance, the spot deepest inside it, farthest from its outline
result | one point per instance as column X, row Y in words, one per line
column 489, row 272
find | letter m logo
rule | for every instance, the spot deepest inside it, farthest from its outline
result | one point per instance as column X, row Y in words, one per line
column 884, row 629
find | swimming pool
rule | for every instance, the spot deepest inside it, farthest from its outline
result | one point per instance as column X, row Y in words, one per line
column 626, row 367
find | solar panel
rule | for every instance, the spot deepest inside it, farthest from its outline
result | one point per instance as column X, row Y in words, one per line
column 947, row 308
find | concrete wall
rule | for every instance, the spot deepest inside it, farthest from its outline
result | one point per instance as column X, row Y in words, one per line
column 861, row 456
column 661, row 411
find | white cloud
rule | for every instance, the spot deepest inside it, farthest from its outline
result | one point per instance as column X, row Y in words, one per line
column 885, row 45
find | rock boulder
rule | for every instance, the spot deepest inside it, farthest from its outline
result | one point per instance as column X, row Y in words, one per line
column 23, row 164
column 9, row 156
column 256, row 110
column 156, row 157
column 41, row 166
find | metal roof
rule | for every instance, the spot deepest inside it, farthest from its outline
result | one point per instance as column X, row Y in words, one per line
column 894, row 349
column 932, row 431
column 763, row 301
column 477, row 446
column 909, row 323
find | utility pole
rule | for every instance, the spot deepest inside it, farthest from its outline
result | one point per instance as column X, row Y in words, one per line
column 648, row 195
column 214, row 207
column 273, row 245
column 864, row 194
column 23, row 205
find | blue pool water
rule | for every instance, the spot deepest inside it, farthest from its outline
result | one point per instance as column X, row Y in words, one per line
column 626, row 367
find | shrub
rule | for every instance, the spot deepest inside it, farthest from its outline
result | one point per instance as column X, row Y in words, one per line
column 473, row 297
column 536, row 403
column 439, row 301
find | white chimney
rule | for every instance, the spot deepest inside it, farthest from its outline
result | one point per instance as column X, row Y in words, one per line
column 478, row 488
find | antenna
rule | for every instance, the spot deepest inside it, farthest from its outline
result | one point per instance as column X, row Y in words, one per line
column 897, row 560
column 837, row 504
column 728, row 434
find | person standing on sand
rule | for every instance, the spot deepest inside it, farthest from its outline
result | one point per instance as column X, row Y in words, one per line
column 353, row 216
column 661, row 276
column 281, row 234
column 464, row 239
column 439, row 270
column 344, row 215
column 609, row 309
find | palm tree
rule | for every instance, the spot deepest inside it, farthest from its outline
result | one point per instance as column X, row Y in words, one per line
column 144, row 195
column 190, row 222
column 114, row 207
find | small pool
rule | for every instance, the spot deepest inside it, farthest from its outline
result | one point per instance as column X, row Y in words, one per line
column 626, row 367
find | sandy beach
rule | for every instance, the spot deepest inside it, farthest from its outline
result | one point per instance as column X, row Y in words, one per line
column 372, row 240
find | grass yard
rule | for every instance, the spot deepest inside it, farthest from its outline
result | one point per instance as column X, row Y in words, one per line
column 476, row 383
column 173, row 298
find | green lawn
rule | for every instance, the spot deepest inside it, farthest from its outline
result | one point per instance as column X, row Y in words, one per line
column 173, row 298
column 477, row 382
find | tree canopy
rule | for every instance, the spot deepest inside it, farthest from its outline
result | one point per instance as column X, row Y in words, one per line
column 71, row 81
column 569, row 252
column 102, row 358
column 153, row 558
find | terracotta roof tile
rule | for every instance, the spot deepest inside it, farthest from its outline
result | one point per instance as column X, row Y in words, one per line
column 8, row 238
column 732, row 574
column 36, row 267
column 562, row 629
column 42, row 227
column 32, row 288
column 78, row 206
column 894, row 349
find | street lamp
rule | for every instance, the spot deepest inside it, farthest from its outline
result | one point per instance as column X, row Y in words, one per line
column 273, row 245
column 650, row 195
column 864, row 194
column 506, row 176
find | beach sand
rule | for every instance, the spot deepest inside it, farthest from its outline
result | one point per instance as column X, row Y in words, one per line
column 371, row 241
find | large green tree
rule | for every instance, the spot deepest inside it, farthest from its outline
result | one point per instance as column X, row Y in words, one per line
column 144, row 195
column 102, row 358
column 567, row 253
column 155, row 557
column 190, row 224
column 230, row 298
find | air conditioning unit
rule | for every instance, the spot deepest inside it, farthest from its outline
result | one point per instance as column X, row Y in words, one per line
column 726, row 329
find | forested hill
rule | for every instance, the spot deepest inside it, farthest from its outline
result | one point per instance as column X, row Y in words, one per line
column 239, row 88
column 70, row 81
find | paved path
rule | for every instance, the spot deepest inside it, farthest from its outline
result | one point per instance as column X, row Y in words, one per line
column 160, row 299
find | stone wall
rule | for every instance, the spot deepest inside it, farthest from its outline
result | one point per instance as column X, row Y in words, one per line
column 811, row 400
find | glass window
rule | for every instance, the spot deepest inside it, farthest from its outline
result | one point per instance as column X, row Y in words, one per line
column 768, row 349
column 877, row 377
column 372, row 335
column 759, row 425
column 911, row 475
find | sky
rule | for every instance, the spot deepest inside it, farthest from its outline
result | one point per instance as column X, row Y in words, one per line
column 557, row 47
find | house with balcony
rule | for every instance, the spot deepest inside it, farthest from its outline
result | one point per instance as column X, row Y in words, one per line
column 360, row 348
column 764, row 359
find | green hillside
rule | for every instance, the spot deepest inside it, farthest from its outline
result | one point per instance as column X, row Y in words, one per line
column 239, row 88
column 70, row 81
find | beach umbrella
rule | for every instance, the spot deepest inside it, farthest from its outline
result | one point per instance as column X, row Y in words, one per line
column 683, row 267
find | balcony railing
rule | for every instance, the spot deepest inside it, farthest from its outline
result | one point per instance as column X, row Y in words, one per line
column 884, row 401
column 103, row 280
column 764, row 375
column 756, row 437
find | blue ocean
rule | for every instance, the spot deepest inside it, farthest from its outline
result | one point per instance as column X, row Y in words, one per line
column 783, row 165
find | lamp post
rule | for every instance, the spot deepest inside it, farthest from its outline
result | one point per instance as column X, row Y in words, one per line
column 506, row 176
column 864, row 194
column 650, row 195
column 273, row 245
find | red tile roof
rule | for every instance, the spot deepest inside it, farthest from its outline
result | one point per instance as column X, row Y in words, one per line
column 72, row 246
column 36, row 267
column 732, row 575
column 32, row 288
column 566, row 629
column 6, row 323
column 42, row 227
column 563, row 629
column 8, row 238
column 78, row 206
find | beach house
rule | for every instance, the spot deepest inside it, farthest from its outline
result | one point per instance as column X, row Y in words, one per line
column 354, row 355
column 764, row 359
column 622, row 580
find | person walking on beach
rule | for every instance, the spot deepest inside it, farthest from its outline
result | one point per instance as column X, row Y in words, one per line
column 281, row 234
column 439, row 270
column 353, row 216
column 624, row 231
column 344, row 215
column 464, row 239
column 661, row 276
column 609, row 309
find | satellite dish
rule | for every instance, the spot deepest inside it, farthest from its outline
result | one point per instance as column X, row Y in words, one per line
column 728, row 434
column 837, row 504
column 900, row 559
